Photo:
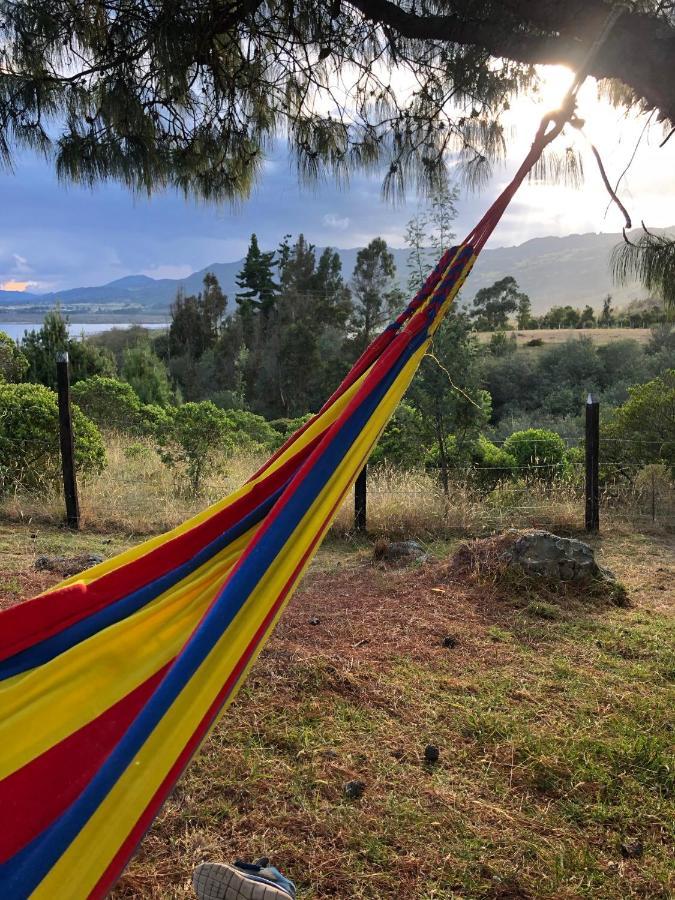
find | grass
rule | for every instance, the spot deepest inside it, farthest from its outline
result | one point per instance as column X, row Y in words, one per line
column 137, row 494
column 552, row 712
column 600, row 336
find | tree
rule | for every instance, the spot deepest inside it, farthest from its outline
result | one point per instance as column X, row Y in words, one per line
column 259, row 290
column 40, row 348
column 429, row 234
column 493, row 305
column 448, row 395
column 642, row 430
column 524, row 314
column 377, row 295
column 30, row 455
column 108, row 402
column 146, row 374
column 193, row 94
column 606, row 317
column 196, row 320
column 191, row 436
column 13, row 364
column 650, row 259
column 587, row 318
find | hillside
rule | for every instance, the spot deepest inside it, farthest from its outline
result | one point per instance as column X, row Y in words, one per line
column 552, row 270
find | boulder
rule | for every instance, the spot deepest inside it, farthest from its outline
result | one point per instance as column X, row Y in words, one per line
column 550, row 556
column 67, row 565
column 399, row 551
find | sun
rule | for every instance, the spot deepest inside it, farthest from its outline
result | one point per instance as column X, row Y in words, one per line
column 553, row 85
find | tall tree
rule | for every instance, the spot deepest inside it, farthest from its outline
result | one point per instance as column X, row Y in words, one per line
column 524, row 317
column 377, row 295
column 193, row 93
column 259, row 291
column 606, row 317
column 492, row 306
column 196, row 320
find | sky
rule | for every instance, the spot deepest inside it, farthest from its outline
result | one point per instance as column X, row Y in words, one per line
column 55, row 236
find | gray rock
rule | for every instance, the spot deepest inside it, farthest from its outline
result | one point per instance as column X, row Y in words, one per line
column 550, row 556
column 401, row 551
column 67, row 565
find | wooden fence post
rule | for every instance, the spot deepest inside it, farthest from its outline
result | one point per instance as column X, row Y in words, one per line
column 67, row 443
column 592, row 464
column 360, row 499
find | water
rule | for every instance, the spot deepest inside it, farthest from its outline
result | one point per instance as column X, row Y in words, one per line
column 16, row 330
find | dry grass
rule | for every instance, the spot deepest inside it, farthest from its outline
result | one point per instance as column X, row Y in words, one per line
column 138, row 494
column 600, row 336
column 555, row 775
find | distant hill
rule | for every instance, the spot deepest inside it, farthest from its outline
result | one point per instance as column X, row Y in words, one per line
column 554, row 271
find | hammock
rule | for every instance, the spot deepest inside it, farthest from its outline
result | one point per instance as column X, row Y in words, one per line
column 110, row 681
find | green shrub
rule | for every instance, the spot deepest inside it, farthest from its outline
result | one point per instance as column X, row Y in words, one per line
column 13, row 364
column 110, row 403
column 190, row 437
column 29, row 438
column 642, row 430
column 286, row 427
column 401, row 442
column 252, row 430
column 537, row 450
column 492, row 464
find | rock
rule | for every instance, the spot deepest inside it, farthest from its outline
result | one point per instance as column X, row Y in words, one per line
column 449, row 642
column 550, row 556
column 431, row 753
column 315, row 620
column 354, row 789
column 399, row 551
column 67, row 565
column 632, row 848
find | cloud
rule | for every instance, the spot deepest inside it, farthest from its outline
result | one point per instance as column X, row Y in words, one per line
column 169, row 271
column 16, row 285
column 334, row 221
column 20, row 263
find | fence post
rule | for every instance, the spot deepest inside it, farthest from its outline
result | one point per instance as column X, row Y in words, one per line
column 360, row 495
column 592, row 464
column 67, row 444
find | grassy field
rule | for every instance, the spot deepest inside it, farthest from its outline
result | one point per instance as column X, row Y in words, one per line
column 599, row 336
column 137, row 494
column 553, row 716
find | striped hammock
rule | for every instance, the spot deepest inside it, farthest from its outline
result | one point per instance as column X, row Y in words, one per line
column 110, row 681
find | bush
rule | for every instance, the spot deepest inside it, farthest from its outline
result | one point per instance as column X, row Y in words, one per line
column 492, row 464
column 190, row 436
column 286, row 427
column 109, row 403
column 29, row 438
column 540, row 451
column 252, row 430
column 13, row 364
column 401, row 442
column 642, row 430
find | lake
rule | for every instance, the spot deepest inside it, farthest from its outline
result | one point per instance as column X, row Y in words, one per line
column 16, row 329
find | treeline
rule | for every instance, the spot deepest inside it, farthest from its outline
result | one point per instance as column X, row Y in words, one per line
column 243, row 373
column 503, row 305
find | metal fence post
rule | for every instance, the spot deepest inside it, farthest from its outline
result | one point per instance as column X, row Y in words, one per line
column 592, row 464
column 360, row 499
column 67, row 443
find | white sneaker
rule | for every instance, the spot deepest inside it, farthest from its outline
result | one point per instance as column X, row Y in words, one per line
column 219, row 881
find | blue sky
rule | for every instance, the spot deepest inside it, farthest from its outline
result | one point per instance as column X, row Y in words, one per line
column 54, row 236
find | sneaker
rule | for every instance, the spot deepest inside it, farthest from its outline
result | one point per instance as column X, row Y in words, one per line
column 242, row 881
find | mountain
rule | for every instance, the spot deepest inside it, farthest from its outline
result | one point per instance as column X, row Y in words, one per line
column 554, row 271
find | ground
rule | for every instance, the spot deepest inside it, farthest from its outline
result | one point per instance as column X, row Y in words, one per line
column 553, row 718
column 599, row 336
